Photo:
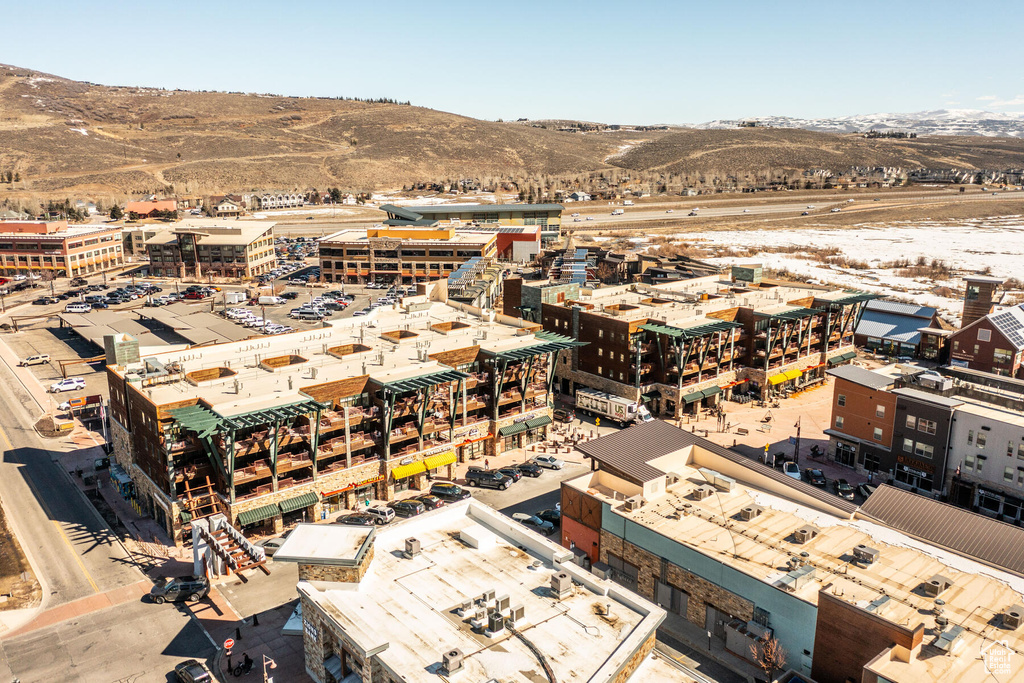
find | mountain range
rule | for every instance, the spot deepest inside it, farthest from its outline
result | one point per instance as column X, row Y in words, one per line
column 931, row 122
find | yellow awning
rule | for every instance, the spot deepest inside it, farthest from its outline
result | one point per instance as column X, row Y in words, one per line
column 403, row 471
column 793, row 373
column 440, row 460
column 777, row 379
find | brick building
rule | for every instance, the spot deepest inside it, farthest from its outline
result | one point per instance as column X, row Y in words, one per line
column 991, row 343
column 224, row 250
column 863, row 411
column 54, row 247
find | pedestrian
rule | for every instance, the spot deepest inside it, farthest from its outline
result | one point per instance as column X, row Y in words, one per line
column 487, row 463
column 871, row 477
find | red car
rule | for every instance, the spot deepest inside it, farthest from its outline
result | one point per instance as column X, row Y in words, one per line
column 194, row 295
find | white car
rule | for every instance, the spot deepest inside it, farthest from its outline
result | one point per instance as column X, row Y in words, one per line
column 20, row 278
column 69, row 384
column 590, row 218
column 836, row 210
column 810, row 206
column 668, row 210
column 77, row 307
column 791, row 469
column 746, row 210
column 548, row 461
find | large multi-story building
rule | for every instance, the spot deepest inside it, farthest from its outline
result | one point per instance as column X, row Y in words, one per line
column 991, row 343
column 274, row 428
column 200, row 249
column 899, row 590
column 547, row 216
column 406, row 255
column 464, row 594
column 36, row 247
column 681, row 344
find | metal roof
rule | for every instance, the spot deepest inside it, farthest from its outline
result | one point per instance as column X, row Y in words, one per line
column 424, row 381
column 691, row 332
column 891, row 326
column 937, row 399
column 795, row 314
column 851, row 296
column 858, row 375
column 1010, row 324
column 966, row 533
column 900, row 308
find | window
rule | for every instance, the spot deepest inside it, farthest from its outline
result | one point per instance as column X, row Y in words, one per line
column 877, row 436
column 923, row 450
column 981, row 464
column 968, row 462
column 984, row 335
column 977, row 349
column 1008, row 474
column 1002, row 356
column 908, row 445
column 839, row 421
column 970, row 437
column 600, row 351
column 926, row 426
column 981, row 440
column 600, row 370
column 879, row 411
column 1020, row 476
column 600, row 334
column 841, row 399
column 1020, row 451
column 911, row 422
column 1009, row 449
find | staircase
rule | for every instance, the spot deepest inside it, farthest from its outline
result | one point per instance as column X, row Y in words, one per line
column 219, row 546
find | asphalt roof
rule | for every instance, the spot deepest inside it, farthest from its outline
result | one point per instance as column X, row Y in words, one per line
column 893, row 326
column 927, row 397
column 900, row 308
column 967, row 533
column 858, row 375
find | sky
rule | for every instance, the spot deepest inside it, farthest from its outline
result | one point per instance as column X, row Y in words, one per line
column 616, row 62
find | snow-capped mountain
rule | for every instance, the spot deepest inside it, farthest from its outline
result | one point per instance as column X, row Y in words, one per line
column 934, row 122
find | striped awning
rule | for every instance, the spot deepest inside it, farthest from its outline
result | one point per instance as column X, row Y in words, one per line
column 693, row 397
column 403, row 471
column 792, row 373
column 299, row 502
column 258, row 514
column 439, row 460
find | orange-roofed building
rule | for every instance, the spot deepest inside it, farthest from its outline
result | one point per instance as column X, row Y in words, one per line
column 146, row 209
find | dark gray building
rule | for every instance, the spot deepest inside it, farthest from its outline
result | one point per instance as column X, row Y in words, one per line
column 920, row 443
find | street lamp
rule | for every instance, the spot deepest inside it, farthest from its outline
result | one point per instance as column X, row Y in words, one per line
column 273, row 665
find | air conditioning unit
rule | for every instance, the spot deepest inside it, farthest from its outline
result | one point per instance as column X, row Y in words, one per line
column 517, row 614
column 561, row 584
column 936, row 585
column 867, row 555
column 495, row 622
column 487, row 596
column 501, row 603
column 451, row 661
column 634, row 503
column 601, row 570
column 412, row 548
column 805, row 533
column 702, row 492
column 1013, row 616
column 750, row 512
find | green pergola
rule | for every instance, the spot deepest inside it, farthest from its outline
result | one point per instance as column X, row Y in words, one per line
column 856, row 301
column 694, row 342
column 549, row 343
column 420, row 385
column 264, row 416
column 402, row 386
column 851, row 296
column 783, row 325
column 691, row 332
column 796, row 314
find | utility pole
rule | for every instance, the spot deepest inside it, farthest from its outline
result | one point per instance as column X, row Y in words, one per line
column 796, row 443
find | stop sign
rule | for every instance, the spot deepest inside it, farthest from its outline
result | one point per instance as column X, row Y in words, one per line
column 228, row 644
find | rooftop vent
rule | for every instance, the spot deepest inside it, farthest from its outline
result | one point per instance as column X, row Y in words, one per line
column 412, row 548
column 748, row 513
column 703, row 491
column 805, row 533
column 867, row 555
column 495, row 623
column 936, row 585
column 451, row 661
column 561, row 584
column 950, row 641
column 878, row 605
column 1013, row 616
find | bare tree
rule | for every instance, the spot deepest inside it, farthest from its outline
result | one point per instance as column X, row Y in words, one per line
column 770, row 656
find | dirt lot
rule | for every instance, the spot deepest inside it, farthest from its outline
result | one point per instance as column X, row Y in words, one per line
column 18, row 585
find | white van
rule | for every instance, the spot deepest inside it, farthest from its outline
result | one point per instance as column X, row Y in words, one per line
column 77, row 307
column 307, row 315
column 271, row 300
column 618, row 212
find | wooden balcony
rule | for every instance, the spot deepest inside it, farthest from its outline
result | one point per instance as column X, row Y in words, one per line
column 403, row 434
column 509, row 397
column 257, row 470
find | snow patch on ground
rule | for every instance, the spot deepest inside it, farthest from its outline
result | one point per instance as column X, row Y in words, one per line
column 316, row 210
column 83, row 131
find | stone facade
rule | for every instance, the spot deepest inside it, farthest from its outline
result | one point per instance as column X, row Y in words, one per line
column 651, row 569
column 336, row 573
column 638, row 657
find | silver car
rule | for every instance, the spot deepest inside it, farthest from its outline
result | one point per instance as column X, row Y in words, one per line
column 548, row 461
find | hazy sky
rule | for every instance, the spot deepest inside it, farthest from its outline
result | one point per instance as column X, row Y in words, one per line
column 627, row 62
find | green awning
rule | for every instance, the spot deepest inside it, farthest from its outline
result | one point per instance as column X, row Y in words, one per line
column 695, row 396
column 534, row 350
column 536, row 422
column 711, row 391
column 258, row 514
column 835, row 360
column 299, row 502
column 185, row 516
column 849, row 355
column 513, row 429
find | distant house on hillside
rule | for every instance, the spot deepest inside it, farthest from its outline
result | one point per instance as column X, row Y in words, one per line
column 226, row 206
column 283, row 200
column 150, row 207
column 578, row 196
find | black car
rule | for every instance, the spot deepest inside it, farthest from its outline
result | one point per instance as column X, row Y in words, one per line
column 178, row 588
column 192, row 671
column 449, row 493
column 534, row 522
column 290, row 295
column 490, row 479
column 530, row 469
column 843, row 488
column 407, row 508
column 511, row 472
column 430, row 502
column 815, row 477
column 358, row 519
column 99, row 304
column 553, row 516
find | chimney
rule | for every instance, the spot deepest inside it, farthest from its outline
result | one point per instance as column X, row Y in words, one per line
column 979, row 297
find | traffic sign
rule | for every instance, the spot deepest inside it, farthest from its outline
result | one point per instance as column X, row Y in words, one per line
column 228, row 644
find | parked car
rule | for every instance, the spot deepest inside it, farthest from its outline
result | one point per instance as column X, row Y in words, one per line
column 548, row 461
column 430, row 502
column 38, row 359
column 174, row 589
column 490, row 479
column 561, row 415
column 512, row 473
column 449, row 493
column 45, row 300
column 534, row 522
column 193, row 671
column 814, row 477
column 530, row 469
column 380, row 515
column 69, row 384
column 408, row 508
column 553, row 516
column 272, row 545
column 865, row 490
column 843, row 488
column 791, row 469
column 358, row 519
column 99, row 305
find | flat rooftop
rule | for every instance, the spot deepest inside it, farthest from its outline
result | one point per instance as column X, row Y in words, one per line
column 338, row 544
column 764, row 546
column 385, row 344
column 214, row 233
column 354, row 236
column 406, row 608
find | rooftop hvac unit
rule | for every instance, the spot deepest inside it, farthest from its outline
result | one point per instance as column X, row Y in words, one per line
column 634, row 503
column 805, row 533
column 950, row 641
column 487, row 595
column 501, row 603
column 936, row 585
column 867, row 555
column 451, row 661
column 1012, row 617
column 561, row 584
column 748, row 513
column 495, row 622
column 878, row 605
column 517, row 614
column 601, row 570
column 703, row 491
column 466, row 609
column 412, row 548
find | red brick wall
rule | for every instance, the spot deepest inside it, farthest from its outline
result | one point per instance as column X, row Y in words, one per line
column 980, row 355
column 859, row 418
column 585, row 538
